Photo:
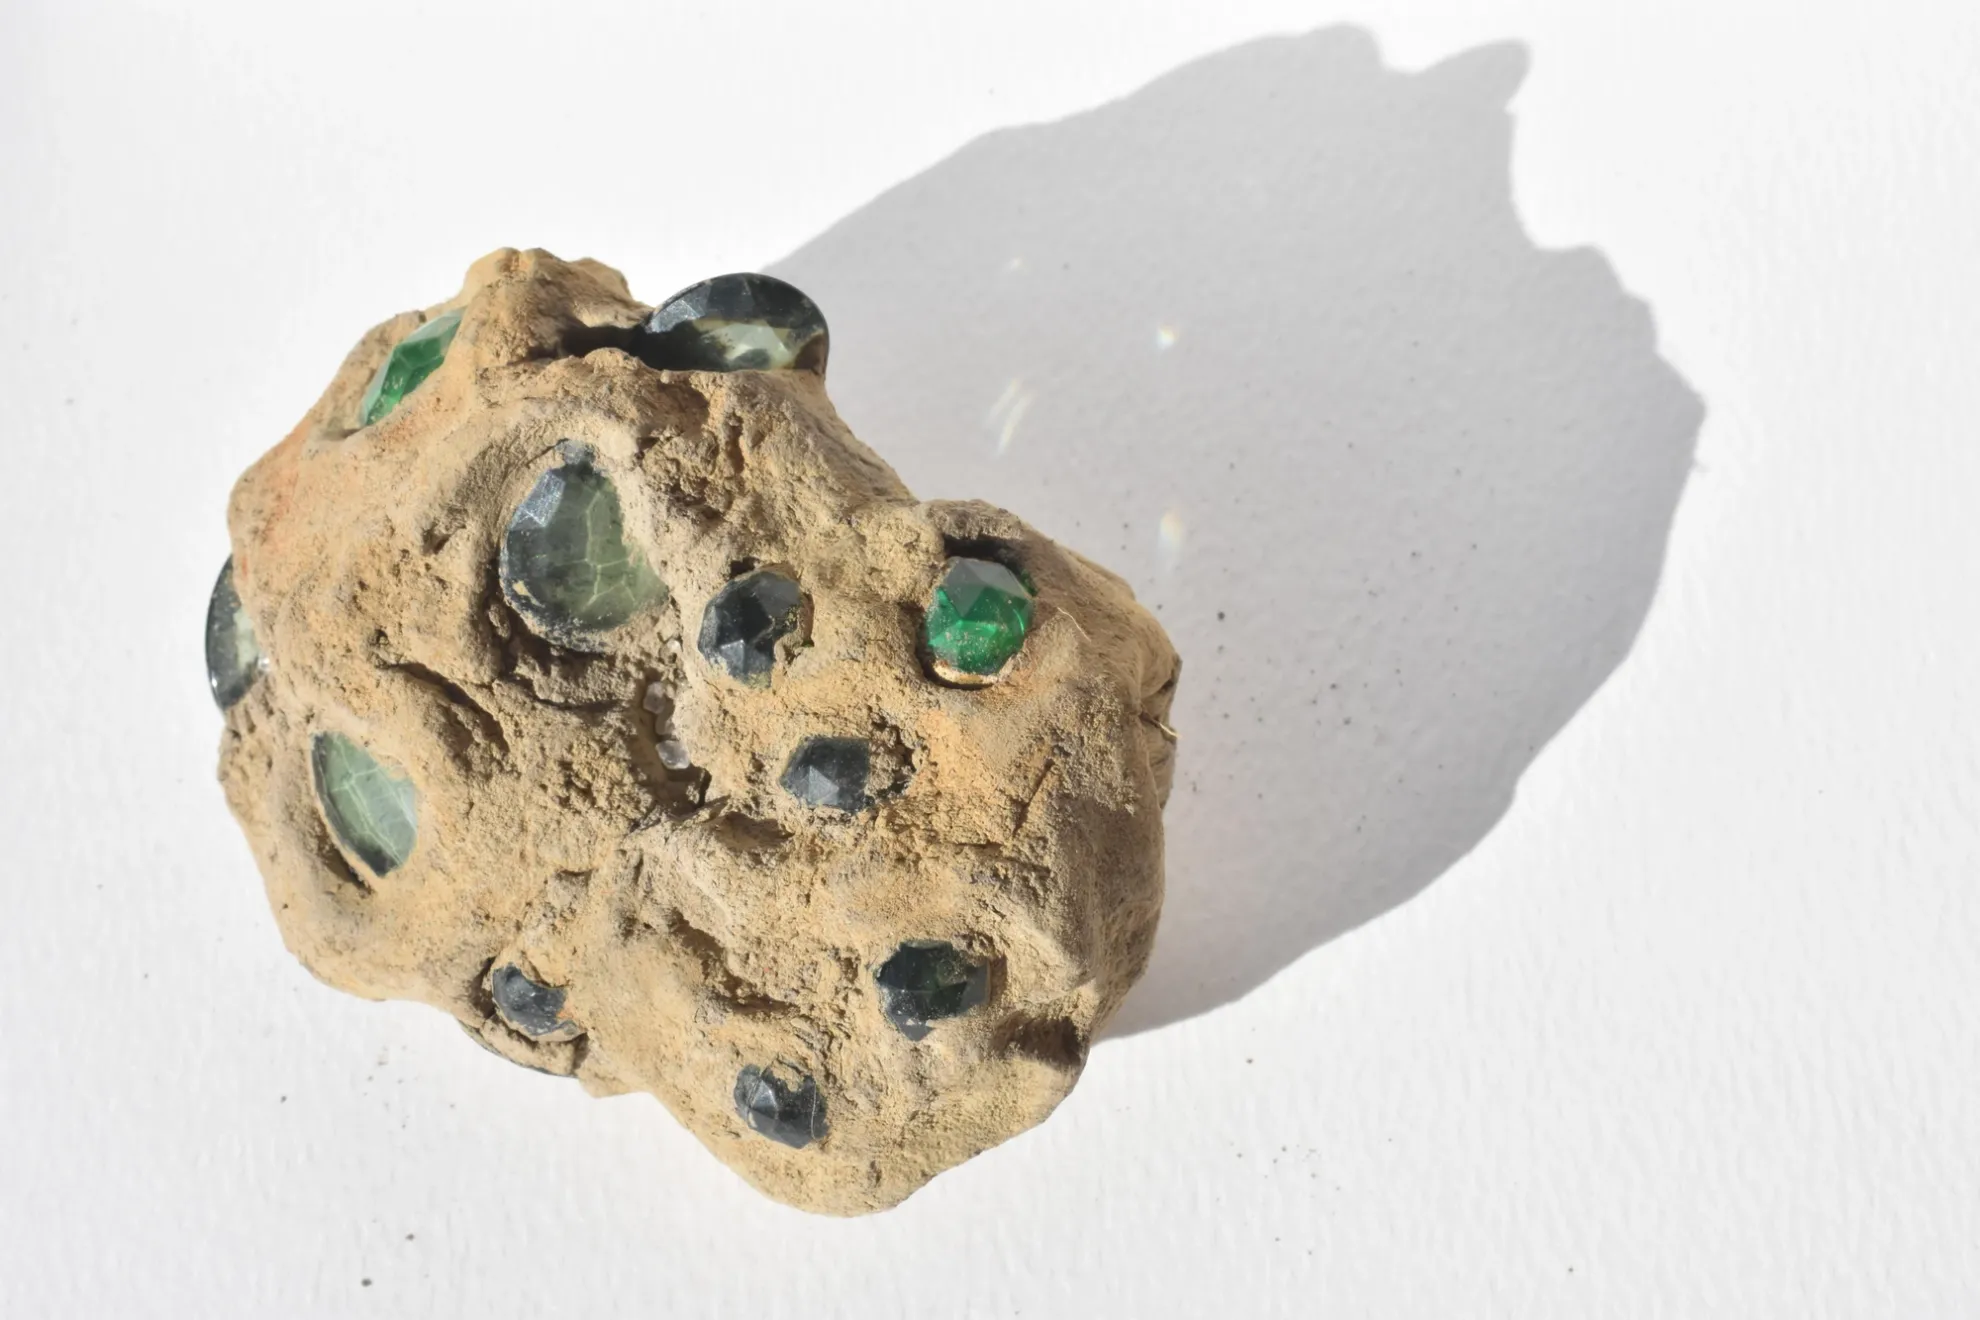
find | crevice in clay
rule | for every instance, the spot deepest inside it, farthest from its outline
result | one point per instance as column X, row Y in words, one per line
column 476, row 720
column 718, row 978
column 1054, row 1041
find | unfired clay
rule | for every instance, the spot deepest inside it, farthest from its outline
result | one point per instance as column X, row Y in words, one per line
column 698, row 919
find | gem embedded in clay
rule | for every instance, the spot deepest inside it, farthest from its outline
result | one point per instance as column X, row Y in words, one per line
column 371, row 809
column 566, row 564
column 233, row 657
column 830, row 772
column 737, row 322
column 781, row 1103
column 534, row 1009
column 742, row 625
column 977, row 620
column 927, row 980
column 411, row 361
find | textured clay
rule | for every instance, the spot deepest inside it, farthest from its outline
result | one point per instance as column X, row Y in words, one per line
column 629, row 843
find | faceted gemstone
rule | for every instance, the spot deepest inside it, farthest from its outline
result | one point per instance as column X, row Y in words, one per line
column 979, row 617
column 529, row 1006
column 926, row 980
column 410, row 362
column 781, row 1103
column 829, row 772
column 741, row 626
column 565, row 563
column 735, row 323
column 233, row 657
column 370, row 807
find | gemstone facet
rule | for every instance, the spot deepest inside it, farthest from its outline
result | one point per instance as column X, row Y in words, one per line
column 830, row 772
column 978, row 619
column 566, row 565
column 233, row 657
column 781, row 1103
column 411, row 361
column 371, row 808
column 926, row 980
column 739, row 322
column 529, row 1006
column 744, row 621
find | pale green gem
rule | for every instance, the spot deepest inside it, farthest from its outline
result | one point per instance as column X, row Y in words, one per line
column 565, row 563
column 233, row 657
column 372, row 809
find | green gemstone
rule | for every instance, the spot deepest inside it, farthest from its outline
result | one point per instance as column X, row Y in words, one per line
column 370, row 808
column 565, row 563
column 233, row 657
column 782, row 1103
column 927, row 980
column 740, row 322
column 411, row 362
column 979, row 617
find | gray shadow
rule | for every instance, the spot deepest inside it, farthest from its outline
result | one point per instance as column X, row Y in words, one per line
column 1418, row 473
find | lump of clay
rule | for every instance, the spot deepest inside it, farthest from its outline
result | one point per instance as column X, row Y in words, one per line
column 586, row 679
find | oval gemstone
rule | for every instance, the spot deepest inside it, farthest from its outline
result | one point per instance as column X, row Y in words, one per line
column 978, row 618
column 371, row 808
column 740, row 322
column 233, row 656
column 566, row 565
column 781, row 1104
column 411, row 361
column 926, row 980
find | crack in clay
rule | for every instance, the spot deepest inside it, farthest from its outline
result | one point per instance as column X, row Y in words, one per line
column 718, row 978
column 458, row 700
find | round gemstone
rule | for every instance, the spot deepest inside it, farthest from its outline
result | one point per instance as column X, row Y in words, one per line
column 745, row 620
column 566, row 565
column 926, row 980
column 531, row 1007
column 233, row 657
column 781, row 1103
column 411, row 361
column 978, row 618
column 371, row 808
column 739, row 322
column 829, row 772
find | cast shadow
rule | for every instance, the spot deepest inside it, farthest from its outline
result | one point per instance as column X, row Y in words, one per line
column 1268, row 338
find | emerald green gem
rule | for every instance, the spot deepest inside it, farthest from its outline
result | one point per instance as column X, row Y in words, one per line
column 979, row 617
column 370, row 808
column 411, row 362
column 565, row 563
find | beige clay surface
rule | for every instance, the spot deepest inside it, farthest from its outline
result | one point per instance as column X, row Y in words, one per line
column 699, row 920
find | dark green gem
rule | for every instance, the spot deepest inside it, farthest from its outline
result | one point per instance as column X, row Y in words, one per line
column 233, row 657
column 565, row 563
column 829, row 772
column 743, row 623
column 781, row 1103
column 371, row 809
column 736, row 322
column 978, row 618
column 411, row 361
column 529, row 1006
column 927, row 980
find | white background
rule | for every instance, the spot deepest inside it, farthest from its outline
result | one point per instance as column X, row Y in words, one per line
column 1573, row 865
